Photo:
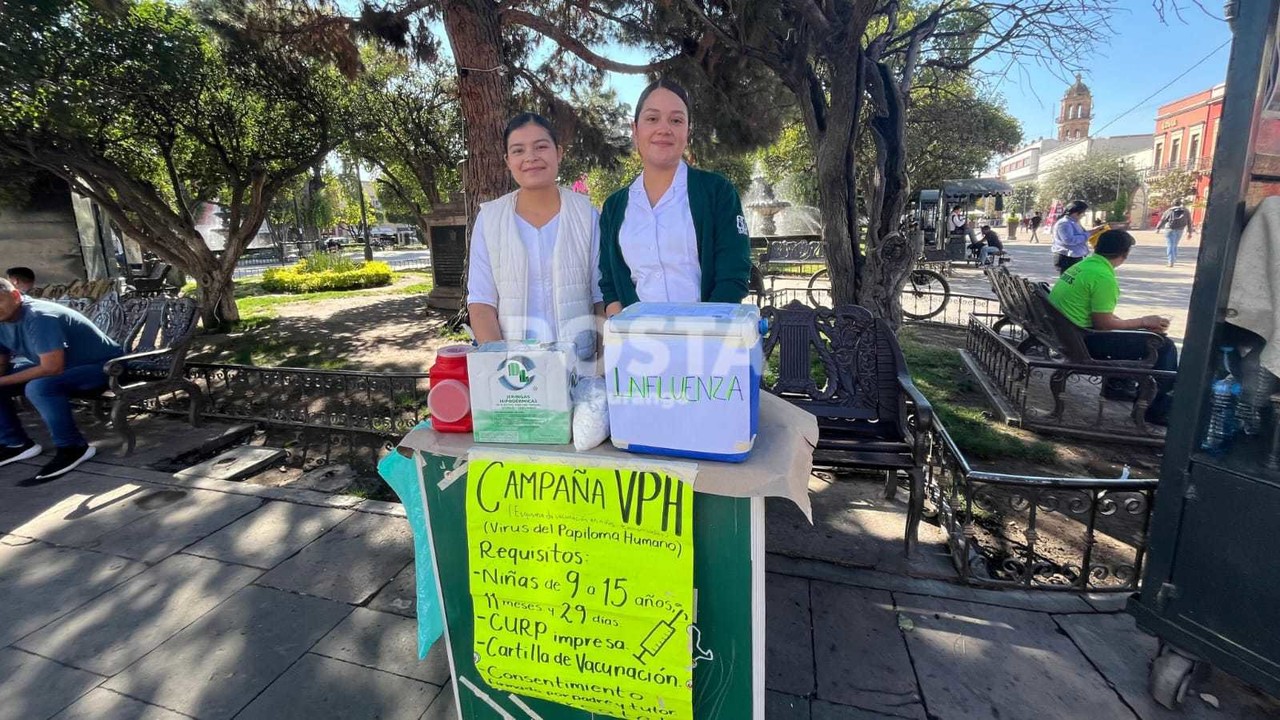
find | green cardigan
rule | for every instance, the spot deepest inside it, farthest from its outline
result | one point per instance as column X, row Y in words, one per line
column 724, row 249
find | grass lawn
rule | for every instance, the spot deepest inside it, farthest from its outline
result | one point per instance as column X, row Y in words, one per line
column 263, row 339
column 254, row 302
column 959, row 404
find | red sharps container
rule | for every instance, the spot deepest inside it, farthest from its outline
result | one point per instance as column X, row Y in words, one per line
column 449, row 398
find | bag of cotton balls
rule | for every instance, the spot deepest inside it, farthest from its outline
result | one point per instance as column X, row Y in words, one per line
column 590, row 413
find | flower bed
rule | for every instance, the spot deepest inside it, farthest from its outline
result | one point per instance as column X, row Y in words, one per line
column 312, row 275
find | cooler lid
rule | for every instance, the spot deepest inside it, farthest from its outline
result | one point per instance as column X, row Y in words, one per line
column 715, row 319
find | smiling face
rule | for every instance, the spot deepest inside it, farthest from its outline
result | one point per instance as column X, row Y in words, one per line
column 661, row 133
column 533, row 157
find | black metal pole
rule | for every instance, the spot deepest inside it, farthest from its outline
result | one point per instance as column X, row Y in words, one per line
column 364, row 217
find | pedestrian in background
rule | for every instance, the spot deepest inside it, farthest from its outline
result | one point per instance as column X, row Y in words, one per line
column 1070, row 240
column 1176, row 222
column 1034, row 223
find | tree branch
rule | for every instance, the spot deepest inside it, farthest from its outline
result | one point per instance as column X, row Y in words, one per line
column 573, row 45
column 813, row 14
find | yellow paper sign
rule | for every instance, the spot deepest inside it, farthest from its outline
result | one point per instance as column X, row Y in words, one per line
column 582, row 583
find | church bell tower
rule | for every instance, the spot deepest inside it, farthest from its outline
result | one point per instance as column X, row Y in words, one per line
column 1076, row 113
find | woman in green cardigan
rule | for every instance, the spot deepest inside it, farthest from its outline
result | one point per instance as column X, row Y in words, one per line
column 676, row 234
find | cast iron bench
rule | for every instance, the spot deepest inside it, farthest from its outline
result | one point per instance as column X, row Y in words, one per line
column 786, row 250
column 846, row 367
column 1049, row 334
column 155, row 334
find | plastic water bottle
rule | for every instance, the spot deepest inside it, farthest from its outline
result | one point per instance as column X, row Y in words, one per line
column 1222, row 407
column 1257, row 384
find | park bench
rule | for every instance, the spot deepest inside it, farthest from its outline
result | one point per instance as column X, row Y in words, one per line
column 1037, row 328
column 846, row 367
column 78, row 290
column 155, row 334
column 154, row 282
column 791, row 250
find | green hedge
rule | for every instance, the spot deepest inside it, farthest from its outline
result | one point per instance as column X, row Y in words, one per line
column 295, row 279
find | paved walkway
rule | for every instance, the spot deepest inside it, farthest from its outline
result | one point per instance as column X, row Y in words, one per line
column 128, row 593
column 1148, row 286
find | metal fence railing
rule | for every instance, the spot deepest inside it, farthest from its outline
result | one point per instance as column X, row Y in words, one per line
column 955, row 311
column 1039, row 533
column 1049, row 395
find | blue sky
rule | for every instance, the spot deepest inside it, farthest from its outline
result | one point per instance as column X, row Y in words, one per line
column 1142, row 56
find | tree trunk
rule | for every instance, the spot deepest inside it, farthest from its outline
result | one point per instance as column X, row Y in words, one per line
column 890, row 255
column 484, row 91
column 835, row 199
column 215, row 291
column 831, row 131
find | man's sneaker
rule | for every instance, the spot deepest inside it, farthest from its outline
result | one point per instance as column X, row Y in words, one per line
column 63, row 462
column 19, row 452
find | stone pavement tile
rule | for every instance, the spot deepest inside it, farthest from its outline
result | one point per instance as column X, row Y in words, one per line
column 101, row 704
column 39, row 584
column 162, row 440
column 780, row 706
column 20, row 506
column 982, row 661
column 268, row 535
column 1107, row 602
column 318, row 688
column 349, row 563
column 400, row 596
column 1053, row 602
column 294, row 495
column 382, row 507
column 444, row 707
column 111, row 632
column 831, row 711
column 1123, row 653
column 788, row 636
column 94, row 467
column 858, row 649
column 80, row 521
column 852, row 525
column 234, row 464
column 385, row 642
column 35, row 688
column 173, row 526
column 219, row 663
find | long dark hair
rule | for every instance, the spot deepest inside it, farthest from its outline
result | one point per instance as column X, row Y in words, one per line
column 665, row 84
column 528, row 118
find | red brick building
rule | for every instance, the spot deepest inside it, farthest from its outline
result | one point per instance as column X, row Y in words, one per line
column 1186, row 132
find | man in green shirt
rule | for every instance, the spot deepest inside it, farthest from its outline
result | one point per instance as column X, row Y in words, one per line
column 1087, row 294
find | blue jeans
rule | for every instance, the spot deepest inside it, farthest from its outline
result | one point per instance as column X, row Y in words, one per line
column 51, row 397
column 1122, row 345
column 1171, row 240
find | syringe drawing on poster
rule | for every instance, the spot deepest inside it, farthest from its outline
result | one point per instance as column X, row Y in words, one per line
column 658, row 636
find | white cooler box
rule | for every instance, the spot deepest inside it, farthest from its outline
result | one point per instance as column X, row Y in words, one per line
column 683, row 379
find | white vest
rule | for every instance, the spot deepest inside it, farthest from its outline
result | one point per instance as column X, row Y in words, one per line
column 571, row 270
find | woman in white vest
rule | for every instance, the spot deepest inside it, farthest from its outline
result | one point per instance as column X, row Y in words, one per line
column 534, row 272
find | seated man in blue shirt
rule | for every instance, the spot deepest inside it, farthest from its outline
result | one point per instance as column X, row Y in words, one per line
column 47, row 352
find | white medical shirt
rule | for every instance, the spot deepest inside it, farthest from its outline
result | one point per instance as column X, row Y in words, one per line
column 659, row 243
column 539, row 246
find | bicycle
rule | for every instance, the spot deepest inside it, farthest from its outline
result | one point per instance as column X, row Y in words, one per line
column 925, row 295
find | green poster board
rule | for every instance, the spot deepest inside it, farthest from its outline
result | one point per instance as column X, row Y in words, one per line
column 728, row 538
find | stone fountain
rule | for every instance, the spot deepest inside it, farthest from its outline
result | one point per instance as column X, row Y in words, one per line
column 762, row 204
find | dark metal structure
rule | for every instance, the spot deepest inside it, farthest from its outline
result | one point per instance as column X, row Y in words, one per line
column 998, row 525
column 155, row 334
column 846, row 368
column 1211, row 590
column 1032, row 346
